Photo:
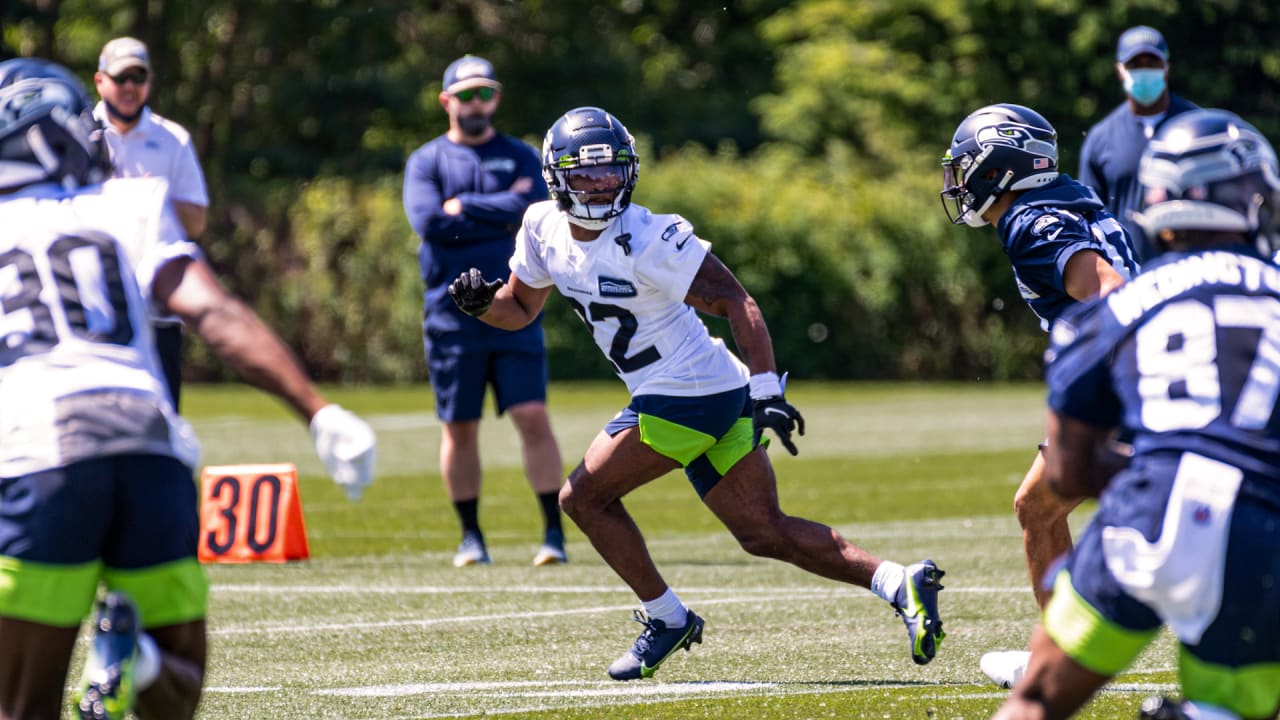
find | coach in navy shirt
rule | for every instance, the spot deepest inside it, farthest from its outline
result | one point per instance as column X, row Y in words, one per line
column 465, row 193
column 1112, row 148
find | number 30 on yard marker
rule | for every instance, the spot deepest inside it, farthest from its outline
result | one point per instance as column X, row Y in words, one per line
column 251, row 513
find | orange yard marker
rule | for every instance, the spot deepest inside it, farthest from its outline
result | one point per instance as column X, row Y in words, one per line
column 251, row 513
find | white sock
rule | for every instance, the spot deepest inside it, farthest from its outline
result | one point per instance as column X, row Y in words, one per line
column 887, row 580
column 147, row 669
column 667, row 608
column 1201, row 711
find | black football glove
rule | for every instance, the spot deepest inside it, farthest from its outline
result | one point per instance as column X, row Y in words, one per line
column 472, row 294
column 778, row 415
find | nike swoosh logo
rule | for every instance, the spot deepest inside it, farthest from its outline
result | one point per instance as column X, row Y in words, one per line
column 1053, row 234
column 776, row 411
column 680, row 245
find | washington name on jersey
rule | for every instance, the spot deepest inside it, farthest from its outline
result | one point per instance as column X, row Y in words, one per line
column 629, row 285
column 1184, row 356
column 76, row 272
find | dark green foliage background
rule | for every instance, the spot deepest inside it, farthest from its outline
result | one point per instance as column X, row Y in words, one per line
column 801, row 138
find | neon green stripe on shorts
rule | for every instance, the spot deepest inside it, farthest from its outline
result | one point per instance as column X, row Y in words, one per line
column 167, row 594
column 57, row 595
column 1086, row 636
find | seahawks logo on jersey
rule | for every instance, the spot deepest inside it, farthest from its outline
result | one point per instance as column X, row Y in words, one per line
column 671, row 230
column 614, row 287
column 1045, row 226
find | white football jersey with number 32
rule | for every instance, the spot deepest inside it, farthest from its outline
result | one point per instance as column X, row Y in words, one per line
column 629, row 286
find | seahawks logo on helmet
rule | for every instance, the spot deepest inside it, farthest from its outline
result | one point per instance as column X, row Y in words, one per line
column 47, row 129
column 995, row 149
column 1016, row 136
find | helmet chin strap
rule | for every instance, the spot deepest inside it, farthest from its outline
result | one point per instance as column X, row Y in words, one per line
column 973, row 217
column 588, row 224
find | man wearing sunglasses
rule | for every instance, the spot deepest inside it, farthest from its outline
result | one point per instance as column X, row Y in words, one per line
column 464, row 194
column 143, row 144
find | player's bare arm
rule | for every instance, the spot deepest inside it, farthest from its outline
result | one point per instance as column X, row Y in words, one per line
column 1089, row 275
column 189, row 289
column 716, row 291
column 1079, row 461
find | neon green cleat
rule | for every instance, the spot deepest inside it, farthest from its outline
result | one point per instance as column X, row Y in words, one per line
column 917, row 605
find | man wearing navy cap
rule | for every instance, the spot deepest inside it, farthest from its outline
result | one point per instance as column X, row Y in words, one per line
column 1109, row 159
column 465, row 193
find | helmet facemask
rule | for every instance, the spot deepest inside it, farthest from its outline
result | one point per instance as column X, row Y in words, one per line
column 971, row 186
column 591, row 167
column 598, row 192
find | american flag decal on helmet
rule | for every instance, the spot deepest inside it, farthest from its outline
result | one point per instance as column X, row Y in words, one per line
column 1040, row 163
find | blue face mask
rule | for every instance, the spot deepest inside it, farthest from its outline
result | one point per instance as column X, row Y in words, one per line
column 1144, row 85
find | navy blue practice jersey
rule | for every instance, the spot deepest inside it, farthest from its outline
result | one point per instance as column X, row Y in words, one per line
column 1045, row 228
column 1186, row 357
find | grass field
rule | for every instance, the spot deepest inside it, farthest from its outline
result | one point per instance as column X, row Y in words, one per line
column 378, row 624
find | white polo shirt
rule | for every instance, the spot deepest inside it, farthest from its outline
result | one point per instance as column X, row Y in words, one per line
column 157, row 147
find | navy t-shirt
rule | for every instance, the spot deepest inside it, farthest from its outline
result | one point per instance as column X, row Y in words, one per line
column 482, row 236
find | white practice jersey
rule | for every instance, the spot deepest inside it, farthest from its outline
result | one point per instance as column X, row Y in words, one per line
column 629, row 285
column 79, row 377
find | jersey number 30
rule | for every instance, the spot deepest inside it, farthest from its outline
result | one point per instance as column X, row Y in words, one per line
column 69, row 257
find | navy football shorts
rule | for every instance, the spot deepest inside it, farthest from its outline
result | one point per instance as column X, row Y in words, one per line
column 1216, row 587
column 459, row 378
column 129, row 521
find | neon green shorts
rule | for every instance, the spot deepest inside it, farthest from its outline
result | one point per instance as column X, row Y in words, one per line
column 707, row 435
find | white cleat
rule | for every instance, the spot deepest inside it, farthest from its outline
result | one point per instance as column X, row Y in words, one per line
column 552, row 550
column 1005, row 667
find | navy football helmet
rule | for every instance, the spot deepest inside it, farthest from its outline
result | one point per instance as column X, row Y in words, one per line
column 1210, row 170
column 997, row 148
column 47, row 129
column 590, row 164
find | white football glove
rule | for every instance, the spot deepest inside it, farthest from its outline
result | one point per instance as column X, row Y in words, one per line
column 347, row 445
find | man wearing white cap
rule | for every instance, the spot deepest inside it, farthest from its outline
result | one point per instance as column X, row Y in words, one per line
column 1109, row 159
column 143, row 144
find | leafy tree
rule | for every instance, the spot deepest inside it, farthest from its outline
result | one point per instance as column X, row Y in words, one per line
column 801, row 137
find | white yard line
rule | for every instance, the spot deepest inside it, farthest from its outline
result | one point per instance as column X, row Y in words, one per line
column 275, row 589
column 753, row 596
column 427, row 622
column 607, row 695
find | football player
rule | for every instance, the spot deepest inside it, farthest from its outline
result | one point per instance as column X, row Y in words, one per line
column 1184, row 359
column 96, row 466
column 1002, row 170
column 638, row 280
